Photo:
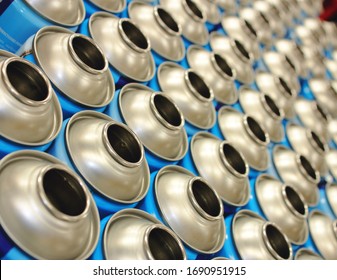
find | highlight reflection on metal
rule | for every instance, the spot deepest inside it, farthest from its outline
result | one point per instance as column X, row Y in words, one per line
column 331, row 159
column 214, row 69
column 284, row 11
column 159, row 26
column 200, row 225
column 191, row 18
column 331, row 66
column 323, row 232
column 189, row 92
column 242, row 31
column 317, row 29
column 125, row 46
column 30, row 111
column 227, row 5
column 83, row 76
column 325, row 93
column 235, row 54
column 247, row 134
column 307, row 143
column 223, row 166
column 263, row 108
column 278, row 201
column 116, row 6
column 210, row 9
column 278, row 89
column 332, row 126
column 45, row 208
column 133, row 234
column 328, row 200
column 331, row 33
column 313, row 117
column 265, row 240
column 306, row 254
column 155, row 119
column 296, row 171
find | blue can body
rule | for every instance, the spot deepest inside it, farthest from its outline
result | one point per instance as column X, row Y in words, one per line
column 18, row 22
column 105, row 205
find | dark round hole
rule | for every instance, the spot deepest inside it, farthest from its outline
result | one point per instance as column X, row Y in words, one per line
column 242, row 49
column 234, row 158
column 290, row 62
column 295, row 200
column 308, row 167
column 271, row 104
column 64, row 192
column 194, row 8
column 321, row 112
column 318, row 141
column 285, row 86
column 168, row 20
column 264, row 18
column 167, row 110
column 164, row 246
column 250, row 28
column 88, row 53
column 223, row 65
column 135, row 35
column 256, row 129
column 124, row 143
column 199, row 85
column 278, row 242
column 206, row 198
column 27, row 81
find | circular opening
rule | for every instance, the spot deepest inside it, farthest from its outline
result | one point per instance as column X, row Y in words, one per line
column 242, row 49
column 318, row 141
column 256, row 129
column 223, row 65
column 285, row 86
column 64, row 192
column 167, row 110
column 164, row 246
column 234, row 158
column 308, row 167
column 278, row 242
column 271, row 104
column 199, row 85
column 168, row 20
column 88, row 53
column 290, row 62
column 250, row 28
column 27, row 81
column 295, row 200
column 194, row 8
column 134, row 35
column 321, row 112
column 206, row 198
column 124, row 143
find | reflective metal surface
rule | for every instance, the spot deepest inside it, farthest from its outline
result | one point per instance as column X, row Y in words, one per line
column 30, row 111
column 307, row 143
column 306, row 254
column 189, row 91
column 324, row 234
column 191, row 18
column 201, row 224
column 62, row 12
column 249, row 137
column 155, row 119
column 331, row 66
column 313, row 117
column 125, row 46
column 296, row 171
column 235, row 54
column 83, row 76
column 210, row 9
column 281, row 92
column 265, row 241
column 214, row 69
column 109, row 156
column 278, row 201
column 115, row 6
column 331, row 159
column 332, row 126
column 45, row 208
column 263, row 108
column 223, row 166
column 306, row 36
column 159, row 26
column 331, row 194
column 317, row 29
column 133, row 234
column 241, row 30
column 314, row 61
